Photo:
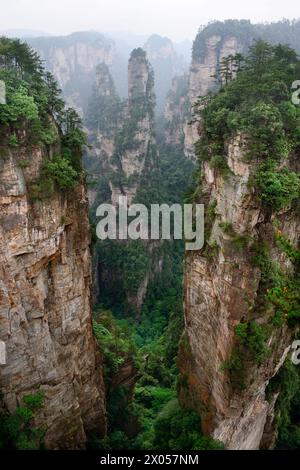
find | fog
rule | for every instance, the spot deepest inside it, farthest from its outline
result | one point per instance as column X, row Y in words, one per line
column 178, row 19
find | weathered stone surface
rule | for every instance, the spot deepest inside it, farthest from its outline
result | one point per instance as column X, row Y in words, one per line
column 201, row 79
column 167, row 64
column 128, row 164
column 176, row 111
column 181, row 126
column 73, row 60
column 220, row 291
column 45, row 313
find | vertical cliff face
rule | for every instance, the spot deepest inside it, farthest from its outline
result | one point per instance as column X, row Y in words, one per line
column 210, row 47
column 221, row 290
column 208, row 53
column 103, row 118
column 123, row 162
column 177, row 111
column 73, row 60
column 166, row 64
column 135, row 153
column 45, row 305
column 238, row 319
column 204, row 65
column 45, row 274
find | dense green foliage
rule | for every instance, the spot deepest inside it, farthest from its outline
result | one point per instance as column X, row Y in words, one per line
column 250, row 347
column 17, row 430
column 280, row 290
column 258, row 104
column 255, row 101
column 176, row 429
column 34, row 114
column 60, row 170
column 253, row 337
column 284, row 32
column 154, row 419
column 104, row 108
column 115, row 343
column 277, row 187
column 151, row 341
column 287, row 417
column 130, row 262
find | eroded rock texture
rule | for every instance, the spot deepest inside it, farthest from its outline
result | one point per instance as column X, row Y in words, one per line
column 73, row 60
column 176, row 111
column 202, row 77
column 222, row 288
column 166, row 64
column 45, row 314
column 123, row 160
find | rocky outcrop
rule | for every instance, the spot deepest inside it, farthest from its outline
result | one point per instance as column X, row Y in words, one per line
column 216, row 41
column 202, row 76
column 203, row 70
column 222, row 289
column 166, row 64
column 137, row 153
column 45, row 312
column 103, row 118
column 73, row 60
column 123, row 160
column 177, row 111
column 122, row 134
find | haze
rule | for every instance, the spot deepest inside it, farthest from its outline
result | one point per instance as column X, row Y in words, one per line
column 178, row 19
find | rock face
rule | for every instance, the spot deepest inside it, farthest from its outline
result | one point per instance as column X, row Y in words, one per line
column 138, row 156
column 166, row 64
column 177, row 111
column 73, row 60
column 202, row 70
column 222, row 288
column 124, row 157
column 122, row 134
column 201, row 77
column 45, row 313
column 211, row 45
column 103, row 119
column 180, row 125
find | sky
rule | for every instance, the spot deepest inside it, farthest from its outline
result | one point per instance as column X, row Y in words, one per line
column 177, row 19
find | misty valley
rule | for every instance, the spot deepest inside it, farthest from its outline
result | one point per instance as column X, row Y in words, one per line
column 149, row 343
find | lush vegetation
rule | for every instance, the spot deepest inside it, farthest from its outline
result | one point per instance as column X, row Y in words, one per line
column 176, row 429
column 17, row 431
column 35, row 115
column 257, row 103
column 280, row 290
column 147, row 343
column 154, row 418
column 104, row 105
column 254, row 99
column 287, row 417
column 250, row 347
column 284, row 32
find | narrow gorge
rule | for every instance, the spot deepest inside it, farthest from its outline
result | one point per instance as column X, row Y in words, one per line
column 138, row 344
column 46, row 323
